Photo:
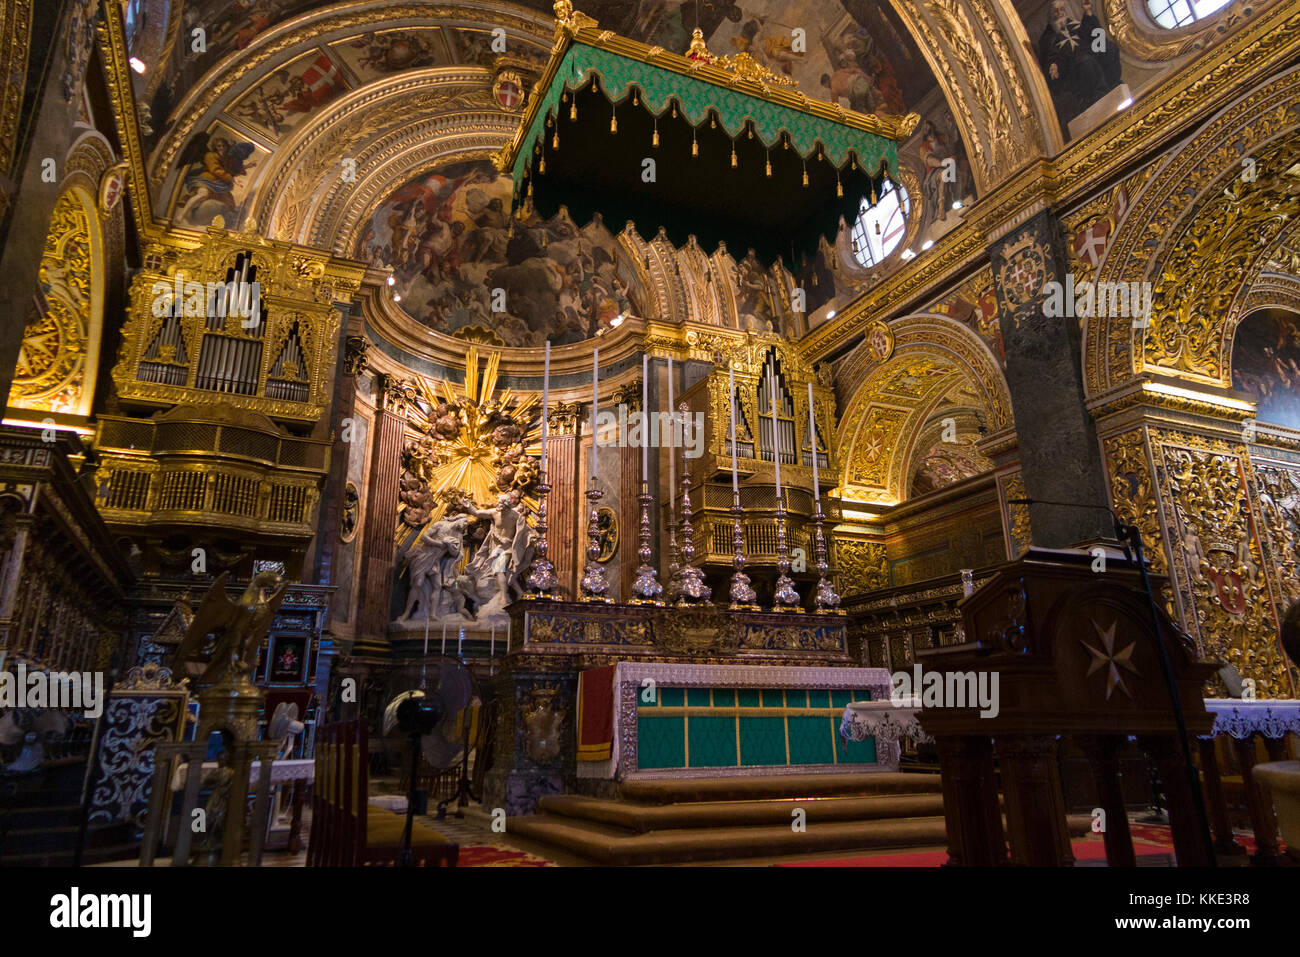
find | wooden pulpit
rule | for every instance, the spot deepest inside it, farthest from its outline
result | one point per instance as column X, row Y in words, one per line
column 1075, row 652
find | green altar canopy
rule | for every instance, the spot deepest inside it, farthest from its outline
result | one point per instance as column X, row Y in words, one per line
column 720, row 148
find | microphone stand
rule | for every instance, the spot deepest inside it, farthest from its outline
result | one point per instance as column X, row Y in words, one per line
column 1128, row 535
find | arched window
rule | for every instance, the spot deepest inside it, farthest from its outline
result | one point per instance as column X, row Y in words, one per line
column 879, row 229
column 1172, row 14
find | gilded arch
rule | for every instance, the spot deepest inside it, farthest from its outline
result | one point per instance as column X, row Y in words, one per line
column 1195, row 231
column 58, row 358
column 933, row 356
column 997, row 94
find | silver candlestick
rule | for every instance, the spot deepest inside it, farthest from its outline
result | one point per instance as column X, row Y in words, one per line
column 594, row 585
column 673, row 580
column 541, row 580
column 692, row 590
column 645, row 586
column 743, row 597
column 784, row 598
column 828, row 602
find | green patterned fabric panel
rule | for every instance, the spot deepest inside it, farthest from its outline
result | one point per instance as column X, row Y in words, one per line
column 695, row 98
column 746, row 727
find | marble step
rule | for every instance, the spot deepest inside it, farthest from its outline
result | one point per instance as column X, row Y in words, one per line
column 653, row 817
column 603, row 844
column 740, row 788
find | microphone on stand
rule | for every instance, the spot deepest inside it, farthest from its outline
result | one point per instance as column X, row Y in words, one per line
column 1128, row 535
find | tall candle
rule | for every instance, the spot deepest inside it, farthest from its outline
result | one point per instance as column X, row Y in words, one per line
column 776, row 442
column 812, row 440
column 672, row 443
column 731, row 394
column 645, row 417
column 595, row 381
column 546, row 400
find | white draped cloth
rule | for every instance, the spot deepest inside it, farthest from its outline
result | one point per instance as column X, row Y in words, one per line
column 1241, row 718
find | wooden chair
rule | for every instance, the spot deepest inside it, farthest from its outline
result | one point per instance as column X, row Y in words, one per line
column 343, row 832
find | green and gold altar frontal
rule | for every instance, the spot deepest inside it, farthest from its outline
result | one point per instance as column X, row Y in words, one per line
column 718, row 147
column 746, row 727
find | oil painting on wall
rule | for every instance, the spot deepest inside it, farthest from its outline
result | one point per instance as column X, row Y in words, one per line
column 1266, row 365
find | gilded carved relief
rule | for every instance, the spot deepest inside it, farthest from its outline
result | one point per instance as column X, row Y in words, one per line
column 1202, row 272
column 1277, row 494
column 52, row 358
column 1217, row 559
column 863, row 566
column 1185, row 328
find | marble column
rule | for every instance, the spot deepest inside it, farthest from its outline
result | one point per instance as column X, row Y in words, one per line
column 1031, row 783
column 1044, row 375
column 379, row 548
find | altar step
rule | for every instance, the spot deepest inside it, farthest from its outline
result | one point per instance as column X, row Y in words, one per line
column 709, row 819
column 679, row 821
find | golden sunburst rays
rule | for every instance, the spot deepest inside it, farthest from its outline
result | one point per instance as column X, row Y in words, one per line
column 476, row 436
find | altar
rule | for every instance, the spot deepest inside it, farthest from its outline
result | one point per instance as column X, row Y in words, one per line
column 602, row 693
column 688, row 720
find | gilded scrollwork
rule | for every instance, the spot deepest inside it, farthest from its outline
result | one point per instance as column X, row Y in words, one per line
column 1277, row 494
column 52, row 357
column 1217, row 560
column 1200, row 246
column 863, row 566
column 1133, row 492
column 1019, row 531
column 1238, row 221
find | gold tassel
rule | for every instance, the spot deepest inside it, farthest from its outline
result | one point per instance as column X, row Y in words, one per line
column 555, row 140
column 805, row 175
column 695, row 146
column 573, row 111
column 613, row 124
column 877, row 227
column 839, row 188
column 769, row 168
column 734, row 164
column 655, row 140
column 541, row 166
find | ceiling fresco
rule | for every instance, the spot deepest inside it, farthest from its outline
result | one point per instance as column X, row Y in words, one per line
column 461, row 263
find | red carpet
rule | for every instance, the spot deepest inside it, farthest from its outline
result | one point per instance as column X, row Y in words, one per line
column 485, row 855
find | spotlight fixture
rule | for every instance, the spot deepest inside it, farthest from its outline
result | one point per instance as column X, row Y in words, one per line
column 831, row 314
column 957, row 204
column 927, row 244
column 908, row 254
column 392, row 281
column 1124, row 104
column 397, row 297
column 137, row 64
